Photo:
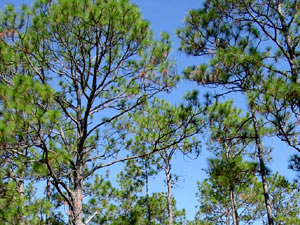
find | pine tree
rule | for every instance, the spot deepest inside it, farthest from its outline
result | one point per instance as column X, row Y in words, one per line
column 164, row 129
column 229, row 175
column 254, row 48
column 101, row 61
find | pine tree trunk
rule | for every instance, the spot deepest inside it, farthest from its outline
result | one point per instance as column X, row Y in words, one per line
column 77, row 198
column 169, row 184
column 227, row 215
column 21, row 191
column 77, row 206
column 48, row 193
column 147, row 193
column 235, row 216
column 262, row 170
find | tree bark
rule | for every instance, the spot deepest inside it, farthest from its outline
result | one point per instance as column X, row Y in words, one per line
column 21, row 191
column 235, row 216
column 77, row 197
column 227, row 215
column 48, row 193
column 169, row 184
column 262, row 170
column 147, row 192
column 77, row 207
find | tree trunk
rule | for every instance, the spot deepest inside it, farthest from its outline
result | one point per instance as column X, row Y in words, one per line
column 227, row 215
column 235, row 216
column 77, row 197
column 169, row 184
column 77, row 206
column 147, row 193
column 21, row 191
column 48, row 193
column 262, row 170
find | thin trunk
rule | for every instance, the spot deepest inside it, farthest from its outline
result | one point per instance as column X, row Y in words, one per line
column 227, row 215
column 81, row 135
column 169, row 184
column 147, row 193
column 235, row 216
column 262, row 170
column 21, row 191
column 48, row 192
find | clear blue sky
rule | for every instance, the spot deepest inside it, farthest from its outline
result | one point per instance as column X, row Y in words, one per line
column 168, row 15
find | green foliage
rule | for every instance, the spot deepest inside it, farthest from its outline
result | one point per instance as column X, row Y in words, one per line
column 13, row 207
column 25, row 108
column 229, row 129
column 66, row 65
column 234, row 172
column 75, row 88
column 285, row 199
column 160, row 126
column 254, row 49
column 159, row 205
column 225, row 176
column 125, row 203
column 214, row 205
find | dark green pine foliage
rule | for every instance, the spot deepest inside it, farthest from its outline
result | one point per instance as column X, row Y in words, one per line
column 103, row 200
column 232, row 184
column 214, row 203
column 131, row 184
column 21, row 209
column 260, row 54
column 159, row 210
column 294, row 164
column 246, row 40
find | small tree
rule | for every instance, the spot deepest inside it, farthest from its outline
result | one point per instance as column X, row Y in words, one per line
column 230, row 142
column 164, row 129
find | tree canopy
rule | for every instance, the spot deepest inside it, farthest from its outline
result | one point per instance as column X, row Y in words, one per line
column 80, row 91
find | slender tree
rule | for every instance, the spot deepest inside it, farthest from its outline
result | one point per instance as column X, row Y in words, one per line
column 230, row 142
column 163, row 128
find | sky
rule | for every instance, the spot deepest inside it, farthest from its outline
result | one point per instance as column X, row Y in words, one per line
column 167, row 16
